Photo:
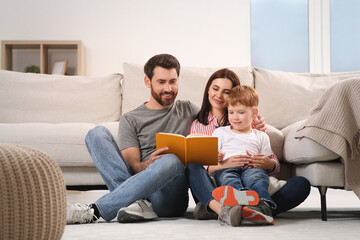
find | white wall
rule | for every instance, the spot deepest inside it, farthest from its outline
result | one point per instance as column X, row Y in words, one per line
column 213, row 33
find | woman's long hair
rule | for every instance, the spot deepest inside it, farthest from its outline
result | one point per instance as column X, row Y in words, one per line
column 203, row 114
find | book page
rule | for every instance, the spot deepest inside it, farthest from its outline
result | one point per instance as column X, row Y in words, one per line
column 175, row 143
column 203, row 150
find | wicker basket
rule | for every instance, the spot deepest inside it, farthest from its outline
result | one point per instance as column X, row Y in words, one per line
column 32, row 194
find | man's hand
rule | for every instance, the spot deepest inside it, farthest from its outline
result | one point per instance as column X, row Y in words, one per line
column 260, row 161
column 133, row 158
column 154, row 156
column 259, row 122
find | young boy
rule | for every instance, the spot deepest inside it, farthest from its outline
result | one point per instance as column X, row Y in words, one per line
column 248, row 149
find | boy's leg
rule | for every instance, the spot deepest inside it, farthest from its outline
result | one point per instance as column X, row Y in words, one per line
column 258, row 180
column 232, row 192
column 229, row 177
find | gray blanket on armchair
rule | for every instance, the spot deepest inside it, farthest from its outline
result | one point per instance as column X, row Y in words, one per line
column 335, row 124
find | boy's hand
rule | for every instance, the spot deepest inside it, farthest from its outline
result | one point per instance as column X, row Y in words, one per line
column 260, row 161
column 221, row 155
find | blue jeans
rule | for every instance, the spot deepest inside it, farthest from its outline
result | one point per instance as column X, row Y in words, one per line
column 295, row 191
column 163, row 182
column 240, row 178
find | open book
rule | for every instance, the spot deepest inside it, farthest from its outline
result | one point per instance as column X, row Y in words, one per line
column 191, row 149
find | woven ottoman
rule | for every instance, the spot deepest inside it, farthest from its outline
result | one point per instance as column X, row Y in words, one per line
column 32, row 194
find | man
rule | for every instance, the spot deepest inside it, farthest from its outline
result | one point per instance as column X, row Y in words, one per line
column 144, row 183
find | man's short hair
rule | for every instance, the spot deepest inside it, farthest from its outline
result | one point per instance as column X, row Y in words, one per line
column 244, row 95
column 161, row 60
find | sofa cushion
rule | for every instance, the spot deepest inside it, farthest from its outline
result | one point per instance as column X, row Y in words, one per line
column 286, row 97
column 64, row 142
column 30, row 98
column 331, row 174
column 304, row 150
column 276, row 140
column 192, row 83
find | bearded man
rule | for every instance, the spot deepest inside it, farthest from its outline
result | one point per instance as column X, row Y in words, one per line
column 144, row 183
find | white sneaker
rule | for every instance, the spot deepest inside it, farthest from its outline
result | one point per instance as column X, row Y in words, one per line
column 137, row 211
column 79, row 213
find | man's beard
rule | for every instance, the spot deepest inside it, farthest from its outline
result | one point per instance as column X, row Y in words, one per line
column 167, row 101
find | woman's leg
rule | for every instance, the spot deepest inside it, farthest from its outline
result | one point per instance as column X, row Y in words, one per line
column 294, row 192
column 200, row 183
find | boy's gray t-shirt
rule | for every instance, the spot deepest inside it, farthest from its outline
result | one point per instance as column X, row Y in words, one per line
column 137, row 128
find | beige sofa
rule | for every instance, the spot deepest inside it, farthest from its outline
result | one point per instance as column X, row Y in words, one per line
column 53, row 113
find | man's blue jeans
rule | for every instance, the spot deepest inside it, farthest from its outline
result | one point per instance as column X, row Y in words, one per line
column 240, row 178
column 295, row 191
column 163, row 182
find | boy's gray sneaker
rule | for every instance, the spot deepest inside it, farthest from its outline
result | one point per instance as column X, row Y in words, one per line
column 230, row 215
column 200, row 213
column 79, row 213
column 260, row 214
column 139, row 210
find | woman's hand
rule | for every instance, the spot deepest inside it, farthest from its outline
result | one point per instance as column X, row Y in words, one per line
column 260, row 161
column 259, row 122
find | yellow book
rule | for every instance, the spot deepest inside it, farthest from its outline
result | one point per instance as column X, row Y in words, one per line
column 194, row 148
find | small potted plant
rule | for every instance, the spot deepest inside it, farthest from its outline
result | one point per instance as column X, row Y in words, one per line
column 32, row 69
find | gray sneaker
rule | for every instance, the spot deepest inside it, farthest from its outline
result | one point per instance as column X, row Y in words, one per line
column 200, row 213
column 230, row 215
column 260, row 214
column 79, row 213
column 139, row 210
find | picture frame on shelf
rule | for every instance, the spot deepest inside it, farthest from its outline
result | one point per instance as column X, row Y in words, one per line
column 59, row 67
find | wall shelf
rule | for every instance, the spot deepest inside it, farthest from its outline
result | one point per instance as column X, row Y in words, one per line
column 44, row 54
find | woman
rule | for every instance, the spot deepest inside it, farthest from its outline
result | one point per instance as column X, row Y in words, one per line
column 212, row 114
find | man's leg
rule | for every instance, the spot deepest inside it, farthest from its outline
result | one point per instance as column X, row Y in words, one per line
column 107, row 157
column 166, row 172
column 172, row 199
column 112, row 167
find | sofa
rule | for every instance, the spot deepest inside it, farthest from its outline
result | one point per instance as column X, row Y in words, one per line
column 53, row 113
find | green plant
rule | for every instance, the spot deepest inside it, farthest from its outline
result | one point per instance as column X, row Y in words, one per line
column 32, row 69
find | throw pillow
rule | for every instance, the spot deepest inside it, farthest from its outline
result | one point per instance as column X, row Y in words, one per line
column 305, row 150
column 287, row 97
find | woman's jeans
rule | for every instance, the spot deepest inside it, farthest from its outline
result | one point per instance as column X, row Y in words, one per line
column 295, row 191
column 163, row 182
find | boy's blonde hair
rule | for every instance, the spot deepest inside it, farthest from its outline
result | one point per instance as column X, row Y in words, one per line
column 244, row 95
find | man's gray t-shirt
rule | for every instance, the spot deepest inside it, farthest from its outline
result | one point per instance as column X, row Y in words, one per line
column 137, row 128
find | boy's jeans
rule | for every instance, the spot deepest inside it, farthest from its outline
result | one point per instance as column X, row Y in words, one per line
column 295, row 191
column 246, row 179
column 163, row 182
